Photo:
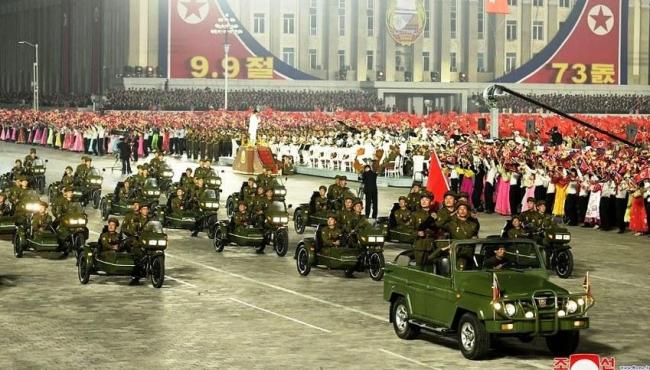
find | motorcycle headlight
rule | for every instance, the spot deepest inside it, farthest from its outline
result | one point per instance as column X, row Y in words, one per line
column 203, row 204
column 81, row 221
column 510, row 309
column 76, row 193
column 380, row 239
column 280, row 192
column 372, row 239
column 558, row 237
column 32, row 207
column 153, row 242
column 214, row 205
column 73, row 221
column 168, row 174
column 162, row 242
column 149, row 192
column 571, row 306
column 275, row 219
column 567, row 237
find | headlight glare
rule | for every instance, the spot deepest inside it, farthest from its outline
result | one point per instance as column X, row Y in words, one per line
column 571, row 306
column 510, row 309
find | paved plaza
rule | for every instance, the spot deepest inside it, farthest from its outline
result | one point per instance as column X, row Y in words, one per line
column 237, row 309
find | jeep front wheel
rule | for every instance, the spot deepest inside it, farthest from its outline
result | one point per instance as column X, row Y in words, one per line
column 564, row 343
column 400, row 316
column 474, row 340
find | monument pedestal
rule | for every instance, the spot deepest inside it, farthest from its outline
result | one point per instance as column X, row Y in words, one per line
column 253, row 160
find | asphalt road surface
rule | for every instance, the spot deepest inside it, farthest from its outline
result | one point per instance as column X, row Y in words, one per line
column 237, row 309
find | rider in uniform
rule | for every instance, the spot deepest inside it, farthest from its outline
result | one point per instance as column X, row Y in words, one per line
column 82, row 170
column 109, row 241
column 30, row 158
column 41, row 220
column 528, row 217
column 241, row 218
column 331, row 235
column 517, row 231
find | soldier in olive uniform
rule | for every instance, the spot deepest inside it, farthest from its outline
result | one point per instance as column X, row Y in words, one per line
column 403, row 215
column 447, row 211
column 528, row 217
column 187, row 180
column 248, row 192
column 16, row 190
column 265, row 179
column 421, row 215
column 61, row 204
column 413, row 197
column 517, row 231
column 68, row 178
column 109, row 241
column 138, row 224
column 157, row 163
column 359, row 220
column 5, row 208
column 30, row 158
column 82, row 170
column 241, row 218
column 320, row 202
column 542, row 221
column 125, row 193
column 347, row 213
column 129, row 226
column 461, row 225
column 41, row 220
column 334, row 190
column 331, row 235
column 17, row 169
column 203, row 170
column 177, row 204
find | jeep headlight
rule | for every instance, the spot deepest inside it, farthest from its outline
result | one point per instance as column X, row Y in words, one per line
column 168, row 174
column 581, row 302
column 561, row 313
column 510, row 309
column 571, row 306
column 529, row 315
column 497, row 306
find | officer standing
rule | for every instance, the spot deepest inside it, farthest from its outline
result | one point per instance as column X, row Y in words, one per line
column 422, row 214
column 369, row 180
column 461, row 226
column 447, row 211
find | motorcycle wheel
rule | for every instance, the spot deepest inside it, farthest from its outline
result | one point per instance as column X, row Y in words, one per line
column 563, row 263
column 281, row 243
column 299, row 222
column 376, row 266
column 157, row 271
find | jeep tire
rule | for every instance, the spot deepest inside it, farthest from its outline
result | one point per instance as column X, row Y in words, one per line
column 400, row 316
column 473, row 339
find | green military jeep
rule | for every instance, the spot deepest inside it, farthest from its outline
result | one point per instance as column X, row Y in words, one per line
column 477, row 291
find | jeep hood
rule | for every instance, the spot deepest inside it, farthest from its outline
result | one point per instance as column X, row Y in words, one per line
column 512, row 284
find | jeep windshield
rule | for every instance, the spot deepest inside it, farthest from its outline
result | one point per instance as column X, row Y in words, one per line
column 498, row 256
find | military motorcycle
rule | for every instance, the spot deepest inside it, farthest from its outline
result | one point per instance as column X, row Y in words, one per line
column 205, row 208
column 556, row 249
column 395, row 233
column 36, row 175
column 72, row 230
column 27, row 239
column 360, row 250
column 306, row 215
column 153, row 242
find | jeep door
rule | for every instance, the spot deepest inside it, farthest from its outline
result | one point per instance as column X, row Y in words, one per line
column 441, row 299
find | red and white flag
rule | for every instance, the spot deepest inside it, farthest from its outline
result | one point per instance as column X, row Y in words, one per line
column 587, row 285
column 437, row 181
column 496, row 292
column 497, row 7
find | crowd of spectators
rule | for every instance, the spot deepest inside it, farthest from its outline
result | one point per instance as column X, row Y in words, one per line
column 24, row 99
column 573, row 103
column 208, row 99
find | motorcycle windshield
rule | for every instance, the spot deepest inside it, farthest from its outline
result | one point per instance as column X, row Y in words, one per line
column 153, row 227
column 151, row 183
column 209, row 194
column 277, row 206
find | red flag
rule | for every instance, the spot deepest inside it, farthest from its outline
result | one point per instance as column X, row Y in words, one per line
column 437, row 182
column 496, row 292
column 497, row 6
column 587, row 285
